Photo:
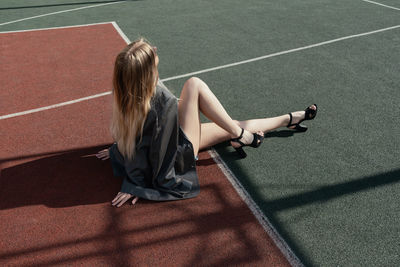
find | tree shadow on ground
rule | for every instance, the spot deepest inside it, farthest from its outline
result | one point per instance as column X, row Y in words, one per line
column 322, row 194
column 151, row 234
column 61, row 180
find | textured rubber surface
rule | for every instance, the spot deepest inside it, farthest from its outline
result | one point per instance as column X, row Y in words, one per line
column 55, row 195
column 332, row 192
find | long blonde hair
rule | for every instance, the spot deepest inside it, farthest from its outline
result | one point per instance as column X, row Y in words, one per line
column 134, row 83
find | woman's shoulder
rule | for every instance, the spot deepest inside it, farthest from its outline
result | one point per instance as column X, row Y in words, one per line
column 163, row 101
column 162, row 92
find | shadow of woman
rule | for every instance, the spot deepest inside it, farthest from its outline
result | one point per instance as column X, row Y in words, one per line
column 64, row 180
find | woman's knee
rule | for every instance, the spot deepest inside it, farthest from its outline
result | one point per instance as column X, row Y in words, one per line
column 193, row 83
column 194, row 87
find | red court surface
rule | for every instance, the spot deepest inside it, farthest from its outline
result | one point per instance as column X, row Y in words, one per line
column 52, row 66
column 55, row 196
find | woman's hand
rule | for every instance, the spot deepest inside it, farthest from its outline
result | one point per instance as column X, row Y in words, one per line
column 103, row 154
column 121, row 198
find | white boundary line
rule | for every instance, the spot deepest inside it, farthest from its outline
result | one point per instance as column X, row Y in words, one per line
column 379, row 4
column 126, row 39
column 255, row 209
column 59, row 12
column 282, row 53
column 205, row 70
column 67, row 102
column 53, row 106
column 61, row 27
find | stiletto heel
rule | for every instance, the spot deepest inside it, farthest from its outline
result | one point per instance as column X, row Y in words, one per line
column 310, row 115
column 257, row 140
column 241, row 152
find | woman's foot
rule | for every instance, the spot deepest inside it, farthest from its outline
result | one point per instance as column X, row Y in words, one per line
column 247, row 139
column 295, row 118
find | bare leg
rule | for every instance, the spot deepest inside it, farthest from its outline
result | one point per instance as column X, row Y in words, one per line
column 196, row 97
column 212, row 134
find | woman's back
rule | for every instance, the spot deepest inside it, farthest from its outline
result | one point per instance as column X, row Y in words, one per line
column 164, row 166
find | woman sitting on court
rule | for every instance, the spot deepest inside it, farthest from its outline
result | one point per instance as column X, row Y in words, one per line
column 158, row 137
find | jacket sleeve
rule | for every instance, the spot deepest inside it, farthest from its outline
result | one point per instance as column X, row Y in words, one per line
column 117, row 161
column 164, row 147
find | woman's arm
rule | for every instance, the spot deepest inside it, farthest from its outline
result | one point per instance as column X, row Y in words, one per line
column 121, row 197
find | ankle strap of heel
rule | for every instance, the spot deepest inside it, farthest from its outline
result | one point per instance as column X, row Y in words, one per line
column 237, row 139
column 290, row 120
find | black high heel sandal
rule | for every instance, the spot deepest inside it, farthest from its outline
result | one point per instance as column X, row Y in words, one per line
column 257, row 141
column 310, row 115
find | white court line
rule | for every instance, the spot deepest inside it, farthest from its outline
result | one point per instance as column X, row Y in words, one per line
column 61, row 27
column 59, row 12
column 53, row 106
column 67, row 102
column 255, row 209
column 379, row 4
column 205, row 70
column 126, row 39
column 282, row 53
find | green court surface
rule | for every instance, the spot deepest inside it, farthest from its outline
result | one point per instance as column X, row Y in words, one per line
column 332, row 192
